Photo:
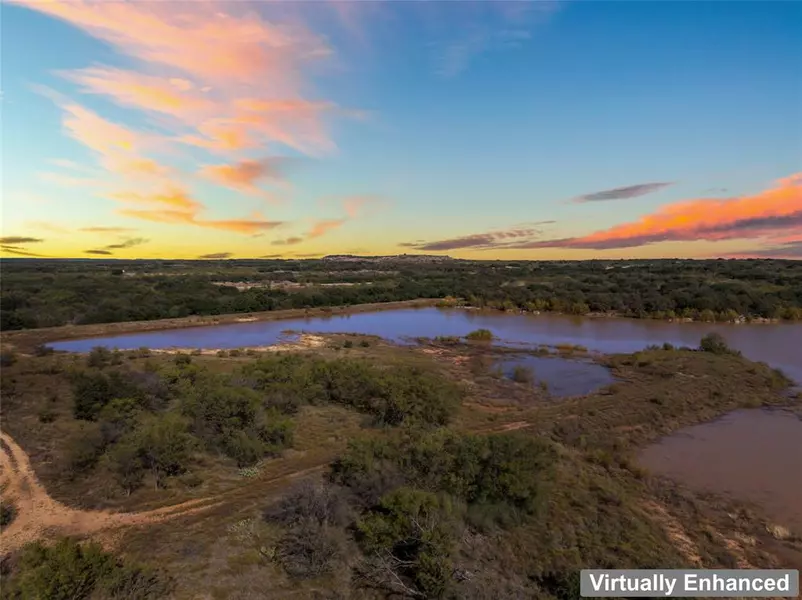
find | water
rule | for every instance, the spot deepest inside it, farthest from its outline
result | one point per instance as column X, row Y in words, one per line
column 776, row 344
column 564, row 377
column 753, row 455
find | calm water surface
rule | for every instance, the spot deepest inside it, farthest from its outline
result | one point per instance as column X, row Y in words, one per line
column 777, row 344
column 564, row 377
column 754, row 455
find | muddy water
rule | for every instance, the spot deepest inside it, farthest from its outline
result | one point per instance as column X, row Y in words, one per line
column 753, row 455
column 563, row 377
column 777, row 344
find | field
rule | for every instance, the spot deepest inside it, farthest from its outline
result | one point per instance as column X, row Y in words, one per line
column 441, row 480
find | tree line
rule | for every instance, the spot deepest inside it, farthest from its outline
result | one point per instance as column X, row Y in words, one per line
column 51, row 293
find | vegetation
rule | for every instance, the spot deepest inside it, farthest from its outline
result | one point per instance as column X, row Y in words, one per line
column 480, row 335
column 46, row 293
column 716, row 344
column 370, row 473
column 69, row 570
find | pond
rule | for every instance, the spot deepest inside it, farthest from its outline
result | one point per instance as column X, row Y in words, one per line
column 776, row 344
column 754, row 455
column 562, row 377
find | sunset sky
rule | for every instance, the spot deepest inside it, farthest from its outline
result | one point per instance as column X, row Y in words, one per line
column 489, row 130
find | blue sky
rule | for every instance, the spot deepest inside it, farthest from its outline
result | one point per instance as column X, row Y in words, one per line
column 449, row 125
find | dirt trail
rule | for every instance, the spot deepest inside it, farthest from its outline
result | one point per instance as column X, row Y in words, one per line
column 38, row 514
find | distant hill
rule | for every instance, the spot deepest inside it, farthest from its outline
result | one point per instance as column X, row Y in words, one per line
column 412, row 258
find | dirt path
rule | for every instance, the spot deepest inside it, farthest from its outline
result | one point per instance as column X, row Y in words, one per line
column 38, row 514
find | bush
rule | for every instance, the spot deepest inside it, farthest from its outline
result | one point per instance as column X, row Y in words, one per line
column 480, row 335
column 412, row 534
column 522, row 374
column 715, row 343
column 236, row 422
column 310, row 550
column 182, row 360
column 98, row 357
column 84, row 449
column 163, row 445
column 320, row 503
column 69, row 570
column 127, row 465
column 503, row 474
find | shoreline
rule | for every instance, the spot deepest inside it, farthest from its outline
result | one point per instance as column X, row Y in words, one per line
column 28, row 339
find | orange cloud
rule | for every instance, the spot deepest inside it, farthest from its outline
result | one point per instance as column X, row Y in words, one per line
column 245, row 174
column 771, row 213
column 210, row 75
column 244, row 94
column 323, row 227
column 178, row 208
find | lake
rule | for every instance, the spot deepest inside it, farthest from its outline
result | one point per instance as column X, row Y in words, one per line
column 776, row 344
column 753, row 455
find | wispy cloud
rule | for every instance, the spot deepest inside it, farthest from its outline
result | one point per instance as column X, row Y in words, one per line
column 245, row 175
column 13, row 240
column 771, row 213
column 501, row 26
column 20, row 252
column 455, row 58
column 251, row 92
column 107, row 229
column 129, row 243
column 290, row 241
column 480, row 241
column 99, row 252
column 216, row 255
column 621, row 193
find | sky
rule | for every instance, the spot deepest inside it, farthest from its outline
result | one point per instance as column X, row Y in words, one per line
column 482, row 130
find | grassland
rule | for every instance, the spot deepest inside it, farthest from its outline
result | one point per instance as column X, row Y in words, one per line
column 595, row 506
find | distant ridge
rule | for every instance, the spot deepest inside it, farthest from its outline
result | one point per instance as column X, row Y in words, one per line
column 413, row 258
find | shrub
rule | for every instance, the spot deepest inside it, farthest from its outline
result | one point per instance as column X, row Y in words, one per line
column 413, row 533
column 236, row 422
column 164, row 445
column 348, row 344
column 715, row 343
column 365, row 344
column 522, row 374
column 69, row 570
column 84, row 449
column 182, row 360
column 98, row 357
column 127, row 465
column 310, row 550
column 480, row 335
column 320, row 503
column 505, row 471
